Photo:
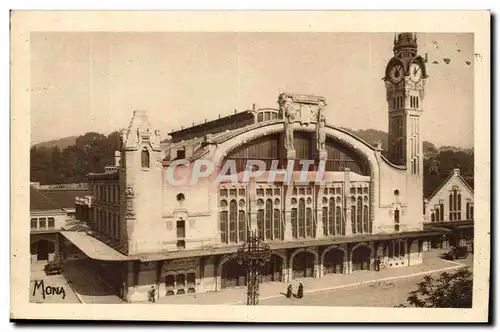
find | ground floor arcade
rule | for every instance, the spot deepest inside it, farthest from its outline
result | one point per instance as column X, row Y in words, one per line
column 217, row 272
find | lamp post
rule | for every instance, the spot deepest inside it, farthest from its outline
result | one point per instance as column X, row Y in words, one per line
column 254, row 254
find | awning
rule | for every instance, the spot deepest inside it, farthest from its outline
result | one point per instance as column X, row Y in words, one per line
column 146, row 257
column 440, row 229
column 94, row 248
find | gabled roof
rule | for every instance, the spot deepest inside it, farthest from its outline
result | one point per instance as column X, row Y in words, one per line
column 452, row 174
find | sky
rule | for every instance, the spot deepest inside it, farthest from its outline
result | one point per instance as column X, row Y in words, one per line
column 85, row 82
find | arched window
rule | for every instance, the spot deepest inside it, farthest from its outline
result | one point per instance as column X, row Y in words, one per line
column 302, row 217
column 145, row 158
column 232, row 221
column 277, row 224
column 242, row 226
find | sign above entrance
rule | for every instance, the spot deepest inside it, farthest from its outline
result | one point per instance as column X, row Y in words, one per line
column 181, row 264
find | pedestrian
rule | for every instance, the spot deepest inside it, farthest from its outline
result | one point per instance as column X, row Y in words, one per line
column 152, row 294
column 377, row 264
column 289, row 291
column 300, row 291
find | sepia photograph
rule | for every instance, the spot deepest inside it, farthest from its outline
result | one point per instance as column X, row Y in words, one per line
column 259, row 169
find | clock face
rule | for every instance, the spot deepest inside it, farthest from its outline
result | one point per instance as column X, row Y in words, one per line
column 396, row 73
column 415, row 72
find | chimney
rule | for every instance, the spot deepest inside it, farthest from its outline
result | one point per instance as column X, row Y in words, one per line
column 456, row 171
column 117, row 158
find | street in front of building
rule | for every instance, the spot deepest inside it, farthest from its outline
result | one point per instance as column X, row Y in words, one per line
column 388, row 293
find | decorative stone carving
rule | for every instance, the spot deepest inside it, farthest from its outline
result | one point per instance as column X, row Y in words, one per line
column 289, row 115
column 129, row 192
column 130, row 209
column 320, row 131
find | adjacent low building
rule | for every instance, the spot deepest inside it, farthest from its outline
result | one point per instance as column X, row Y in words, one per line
column 450, row 207
column 51, row 209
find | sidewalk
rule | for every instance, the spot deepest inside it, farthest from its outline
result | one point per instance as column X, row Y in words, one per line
column 432, row 263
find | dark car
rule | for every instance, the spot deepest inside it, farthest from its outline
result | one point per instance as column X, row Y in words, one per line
column 455, row 253
column 52, row 268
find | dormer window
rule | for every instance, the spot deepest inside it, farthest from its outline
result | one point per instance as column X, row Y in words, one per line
column 145, row 158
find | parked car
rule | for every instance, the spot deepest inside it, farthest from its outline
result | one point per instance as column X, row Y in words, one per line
column 455, row 253
column 52, row 268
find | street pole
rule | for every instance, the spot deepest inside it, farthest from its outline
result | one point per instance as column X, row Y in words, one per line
column 254, row 254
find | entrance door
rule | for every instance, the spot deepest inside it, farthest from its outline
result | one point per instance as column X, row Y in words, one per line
column 333, row 261
column 361, row 258
column 303, row 265
column 233, row 274
column 272, row 271
column 43, row 250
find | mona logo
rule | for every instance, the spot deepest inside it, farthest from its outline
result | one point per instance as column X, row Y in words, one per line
column 49, row 290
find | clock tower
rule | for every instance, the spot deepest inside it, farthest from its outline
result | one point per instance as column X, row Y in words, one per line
column 405, row 77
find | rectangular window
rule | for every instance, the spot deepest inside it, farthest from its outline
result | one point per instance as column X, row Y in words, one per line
column 34, row 222
column 241, row 192
column 325, row 221
column 223, row 226
column 223, row 193
column 260, row 223
column 181, row 229
column 277, row 224
column 43, row 222
column 294, row 223
column 353, row 218
column 181, row 154
column 242, row 226
column 51, row 223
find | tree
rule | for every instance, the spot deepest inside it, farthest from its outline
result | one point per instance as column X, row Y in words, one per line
column 449, row 290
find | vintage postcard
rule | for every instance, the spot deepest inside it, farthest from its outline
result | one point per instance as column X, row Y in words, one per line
column 251, row 166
